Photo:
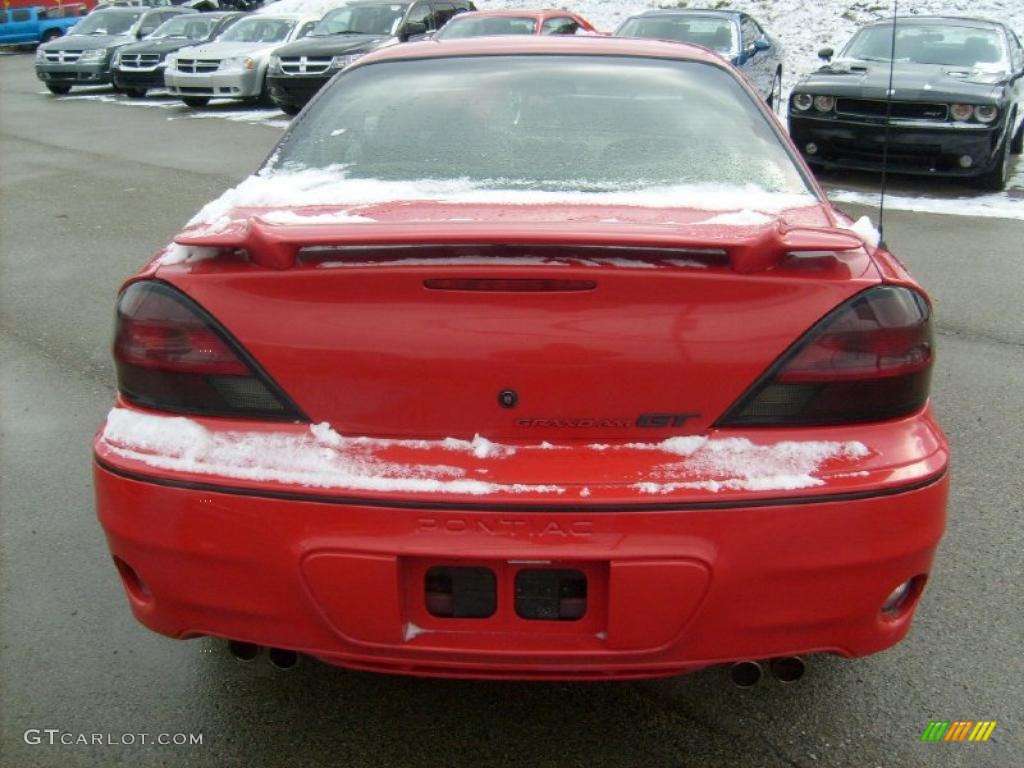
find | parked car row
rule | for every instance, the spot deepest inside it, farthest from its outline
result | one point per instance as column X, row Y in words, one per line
column 956, row 107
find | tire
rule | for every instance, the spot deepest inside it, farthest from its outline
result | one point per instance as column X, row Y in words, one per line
column 1017, row 143
column 196, row 101
column 995, row 179
column 50, row 34
column 136, row 93
column 776, row 93
column 264, row 100
column 59, row 90
column 289, row 109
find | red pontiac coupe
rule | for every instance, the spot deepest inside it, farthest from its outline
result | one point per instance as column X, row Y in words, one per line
column 526, row 358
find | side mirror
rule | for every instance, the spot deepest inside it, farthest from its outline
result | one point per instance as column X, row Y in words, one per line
column 826, row 54
column 412, row 29
column 762, row 44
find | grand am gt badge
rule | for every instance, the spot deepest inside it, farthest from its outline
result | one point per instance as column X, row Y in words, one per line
column 643, row 421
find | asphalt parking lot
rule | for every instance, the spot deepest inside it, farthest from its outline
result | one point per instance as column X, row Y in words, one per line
column 89, row 190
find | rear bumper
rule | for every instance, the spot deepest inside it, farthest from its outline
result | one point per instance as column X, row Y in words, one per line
column 296, row 91
column 669, row 590
column 919, row 150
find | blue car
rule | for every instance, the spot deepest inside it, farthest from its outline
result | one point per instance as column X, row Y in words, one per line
column 736, row 36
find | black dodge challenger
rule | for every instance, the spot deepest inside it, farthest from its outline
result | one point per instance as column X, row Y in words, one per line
column 957, row 100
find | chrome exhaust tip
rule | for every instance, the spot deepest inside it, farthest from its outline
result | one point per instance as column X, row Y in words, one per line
column 282, row 658
column 243, row 651
column 787, row 669
column 745, row 674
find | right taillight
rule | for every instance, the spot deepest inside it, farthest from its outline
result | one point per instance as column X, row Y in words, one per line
column 868, row 360
column 172, row 355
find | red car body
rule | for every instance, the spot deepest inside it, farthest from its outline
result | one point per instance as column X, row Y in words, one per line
column 601, row 386
column 540, row 17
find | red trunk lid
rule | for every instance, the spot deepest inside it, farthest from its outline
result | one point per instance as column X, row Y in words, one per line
column 544, row 332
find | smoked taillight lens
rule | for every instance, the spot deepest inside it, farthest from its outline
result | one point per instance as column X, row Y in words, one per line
column 868, row 360
column 172, row 355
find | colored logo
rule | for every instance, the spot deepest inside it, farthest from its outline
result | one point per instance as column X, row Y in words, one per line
column 958, row 730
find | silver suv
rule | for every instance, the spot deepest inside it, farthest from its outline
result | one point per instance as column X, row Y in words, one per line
column 234, row 66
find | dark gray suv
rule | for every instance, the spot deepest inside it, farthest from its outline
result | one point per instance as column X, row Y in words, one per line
column 83, row 56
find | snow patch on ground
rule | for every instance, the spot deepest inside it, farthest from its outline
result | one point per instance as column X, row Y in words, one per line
column 997, row 205
column 319, row 458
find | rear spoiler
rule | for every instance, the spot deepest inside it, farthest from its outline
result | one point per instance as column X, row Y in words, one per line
column 277, row 246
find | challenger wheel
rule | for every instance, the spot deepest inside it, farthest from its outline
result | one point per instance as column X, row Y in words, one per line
column 995, row 179
column 289, row 109
column 135, row 93
column 57, row 88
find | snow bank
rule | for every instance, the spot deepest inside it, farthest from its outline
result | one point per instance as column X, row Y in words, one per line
column 993, row 206
column 319, row 458
column 304, row 7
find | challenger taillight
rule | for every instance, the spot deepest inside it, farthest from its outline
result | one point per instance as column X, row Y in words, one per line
column 172, row 355
column 869, row 360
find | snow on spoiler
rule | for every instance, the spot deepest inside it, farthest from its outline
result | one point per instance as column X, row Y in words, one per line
column 749, row 249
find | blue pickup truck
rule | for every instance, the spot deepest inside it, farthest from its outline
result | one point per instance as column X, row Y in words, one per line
column 24, row 26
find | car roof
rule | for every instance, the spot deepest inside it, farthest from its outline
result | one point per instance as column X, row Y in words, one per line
column 510, row 45
column 545, row 13
column 122, row 9
column 282, row 16
column 723, row 13
column 372, row 2
column 961, row 21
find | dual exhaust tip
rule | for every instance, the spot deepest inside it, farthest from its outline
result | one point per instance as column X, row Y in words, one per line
column 282, row 658
column 785, row 669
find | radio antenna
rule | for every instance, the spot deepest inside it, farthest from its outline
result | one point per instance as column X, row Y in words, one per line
column 888, row 121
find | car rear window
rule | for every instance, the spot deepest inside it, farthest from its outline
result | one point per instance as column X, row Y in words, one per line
column 115, row 21
column 543, row 122
column 257, row 30
column 483, row 26
column 715, row 33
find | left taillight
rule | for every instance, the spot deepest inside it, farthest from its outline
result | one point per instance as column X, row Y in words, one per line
column 172, row 355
